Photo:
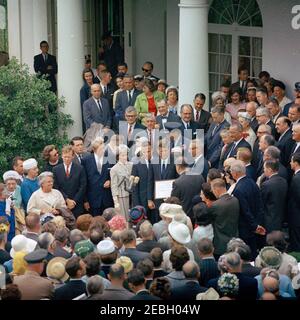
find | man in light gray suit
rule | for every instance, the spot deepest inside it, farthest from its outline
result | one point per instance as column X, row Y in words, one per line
column 96, row 109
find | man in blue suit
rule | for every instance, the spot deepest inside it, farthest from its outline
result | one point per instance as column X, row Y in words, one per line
column 236, row 133
column 125, row 98
column 213, row 141
column 165, row 116
column 97, row 171
column 96, row 109
column 141, row 195
column 45, row 64
column 251, row 206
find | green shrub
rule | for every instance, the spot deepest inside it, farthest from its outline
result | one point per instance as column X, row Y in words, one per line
column 30, row 116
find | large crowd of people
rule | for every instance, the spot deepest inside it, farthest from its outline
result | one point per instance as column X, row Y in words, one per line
column 159, row 201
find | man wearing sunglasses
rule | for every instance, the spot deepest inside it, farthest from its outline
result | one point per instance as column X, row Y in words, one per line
column 147, row 70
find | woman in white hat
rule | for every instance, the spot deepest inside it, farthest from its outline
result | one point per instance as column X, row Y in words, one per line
column 46, row 200
column 180, row 236
column 30, row 184
column 56, row 271
column 11, row 179
column 248, row 133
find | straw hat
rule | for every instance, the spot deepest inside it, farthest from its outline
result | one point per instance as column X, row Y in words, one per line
column 56, row 269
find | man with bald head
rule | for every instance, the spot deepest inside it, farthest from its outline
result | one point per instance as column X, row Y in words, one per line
column 285, row 142
column 191, row 287
column 96, row 109
column 251, row 110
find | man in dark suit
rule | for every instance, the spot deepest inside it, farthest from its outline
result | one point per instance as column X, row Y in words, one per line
column 201, row 116
column 275, row 112
column 70, row 180
column 294, row 205
column 96, row 109
column 75, row 268
column 130, row 128
column 111, row 53
column 245, row 155
column 137, row 282
column 161, row 168
column 191, row 287
column 128, row 238
column 285, row 142
column 165, row 116
column 265, row 142
column 45, row 64
column 125, row 98
column 251, row 110
column 213, row 141
column 188, row 123
column 274, row 195
column 236, row 132
column 251, row 208
column 225, row 214
column 245, row 253
column 141, row 194
column 98, row 179
column 186, row 187
column 263, row 116
column 208, row 265
column 107, row 87
column 248, row 287
column 241, row 84
column 78, row 149
column 147, row 235
column 198, row 164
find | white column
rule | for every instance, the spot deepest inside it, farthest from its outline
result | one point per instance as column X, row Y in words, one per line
column 128, row 33
column 14, row 36
column 193, row 50
column 70, row 58
column 27, row 27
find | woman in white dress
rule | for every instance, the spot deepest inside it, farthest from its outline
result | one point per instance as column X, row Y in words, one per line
column 122, row 181
column 46, row 200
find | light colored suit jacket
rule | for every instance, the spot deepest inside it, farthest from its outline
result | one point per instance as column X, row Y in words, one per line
column 119, row 175
column 33, row 286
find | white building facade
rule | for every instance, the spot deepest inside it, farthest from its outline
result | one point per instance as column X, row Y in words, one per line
column 194, row 44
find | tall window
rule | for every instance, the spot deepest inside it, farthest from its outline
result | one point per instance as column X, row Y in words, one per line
column 3, row 26
column 235, row 39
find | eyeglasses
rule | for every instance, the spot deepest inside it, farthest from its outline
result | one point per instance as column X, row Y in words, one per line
column 146, row 70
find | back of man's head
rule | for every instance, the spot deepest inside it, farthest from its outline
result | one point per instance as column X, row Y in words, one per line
column 191, row 270
column 116, row 273
column 136, row 278
column 205, row 246
column 32, row 222
column 73, row 266
column 156, row 256
column 146, row 266
column 146, row 230
column 128, row 237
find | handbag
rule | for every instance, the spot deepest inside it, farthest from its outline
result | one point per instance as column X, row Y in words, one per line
column 68, row 215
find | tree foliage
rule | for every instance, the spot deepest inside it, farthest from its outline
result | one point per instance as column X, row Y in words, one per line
column 30, row 116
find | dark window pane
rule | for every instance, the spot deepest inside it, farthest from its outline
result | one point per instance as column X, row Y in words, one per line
column 245, row 62
column 244, row 46
column 213, row 62
column 213, row 42
column 225, row 43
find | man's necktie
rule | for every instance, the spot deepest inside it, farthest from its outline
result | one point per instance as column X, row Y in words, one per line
column 129, row 133
column 197, row 115
column 163, row 170
column 99, row 106
column 129, row 97
column 68, row 171
column 104, row 90
column 215, row 129
column 233, row 147
column 150, row 136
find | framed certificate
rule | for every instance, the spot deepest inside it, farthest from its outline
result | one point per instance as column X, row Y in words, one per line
column 163, row 189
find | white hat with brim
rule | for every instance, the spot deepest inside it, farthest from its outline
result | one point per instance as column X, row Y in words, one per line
column 11, row 175
column 21, row 243
column 56, row 269
column 169, row 210
column 30, row 164
column 179, row 232
column 210, row 294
